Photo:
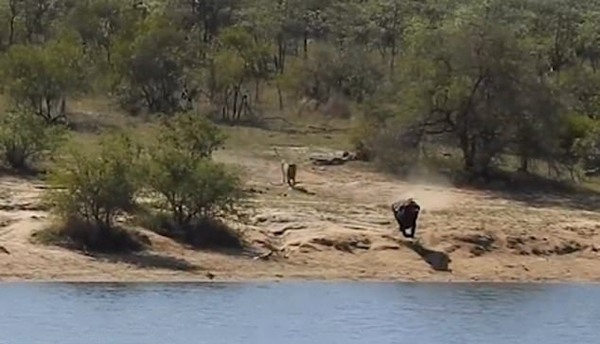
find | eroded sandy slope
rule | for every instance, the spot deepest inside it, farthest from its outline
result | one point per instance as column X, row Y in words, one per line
column 337, row 225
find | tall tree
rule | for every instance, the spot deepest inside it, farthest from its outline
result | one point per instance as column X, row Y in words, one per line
column 41, row 78
column 470, row 79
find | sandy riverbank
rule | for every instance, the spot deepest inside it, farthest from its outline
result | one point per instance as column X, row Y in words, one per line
column 341, row 228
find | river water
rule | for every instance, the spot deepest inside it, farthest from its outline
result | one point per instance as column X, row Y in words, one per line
column 299, row 312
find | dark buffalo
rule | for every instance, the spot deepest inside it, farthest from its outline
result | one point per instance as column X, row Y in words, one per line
column 406, row 213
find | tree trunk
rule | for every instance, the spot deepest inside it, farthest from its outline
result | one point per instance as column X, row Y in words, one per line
column 225, row 107
column 63, row 106
column 236, row 92
column 49, row 110
column 206, row 35
column 468, row 153
column 257, row 90
column 11, row 34
column 524, row 163
column 305, row 44
column 108, row 56
column 393, row 58
column 281, row 54
column 280, row 97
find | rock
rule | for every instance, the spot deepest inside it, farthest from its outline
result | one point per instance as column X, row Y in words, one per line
column 285, row 229
column 452, row 249
column 345, row 245
column 386, row 247
column 477, row 251
column 332, row 159
column 254, row 190
column 481, row 243
column 264, row 256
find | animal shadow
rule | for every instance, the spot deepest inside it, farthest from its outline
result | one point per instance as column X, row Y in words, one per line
column 303, row 190
column 439, row 261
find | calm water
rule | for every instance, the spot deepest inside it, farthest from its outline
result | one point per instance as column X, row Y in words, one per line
column 311, row 313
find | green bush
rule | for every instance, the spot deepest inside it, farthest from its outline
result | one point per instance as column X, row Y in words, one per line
column 396, row 150
column 190, row 189
column 579, row 140
column 191, row 133
column 41, row 78
column 383, row 136
column 328, row 73
column 95, row 187
column 183, row 180
column 25, row 138
column 152, row 69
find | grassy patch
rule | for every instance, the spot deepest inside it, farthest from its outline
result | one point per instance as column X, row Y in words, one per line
column 311, row 130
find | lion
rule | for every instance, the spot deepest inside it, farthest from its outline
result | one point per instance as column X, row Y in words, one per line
column 288, row 171
column 406, row 213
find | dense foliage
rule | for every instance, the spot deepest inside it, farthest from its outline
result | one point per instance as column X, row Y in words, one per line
column 95, row 186
column 91, row 187
column 490, row 78
column 25, row 138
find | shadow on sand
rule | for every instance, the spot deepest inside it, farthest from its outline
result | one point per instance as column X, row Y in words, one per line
column 439, row 261
column 148, row 261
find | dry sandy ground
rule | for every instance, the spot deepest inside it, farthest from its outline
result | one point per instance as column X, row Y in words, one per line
column 338, row 225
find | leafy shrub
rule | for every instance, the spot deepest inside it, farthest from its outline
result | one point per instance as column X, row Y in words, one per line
column 578, row 144
column 191, row 133
column 152, row 69
column 239, row 60
column 40, row 79
column 327, row 73
column 190, row 189
column 25, row 138
column 396, row 150
column 183, row 179
column 94, row 188
column 372, row 135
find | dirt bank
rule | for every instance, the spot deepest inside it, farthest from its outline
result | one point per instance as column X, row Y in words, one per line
column 338, row 225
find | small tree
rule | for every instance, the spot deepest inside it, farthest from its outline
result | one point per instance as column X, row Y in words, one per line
column 39, row 79
column 181, row 175
column 98, row 23
column 152, row 70
column 241, row 59
column 190, row 189
column 225, row 83
column 191, row 133
column 577, row 143
column 25, row 137
column 95, row 187
column 327, row 73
